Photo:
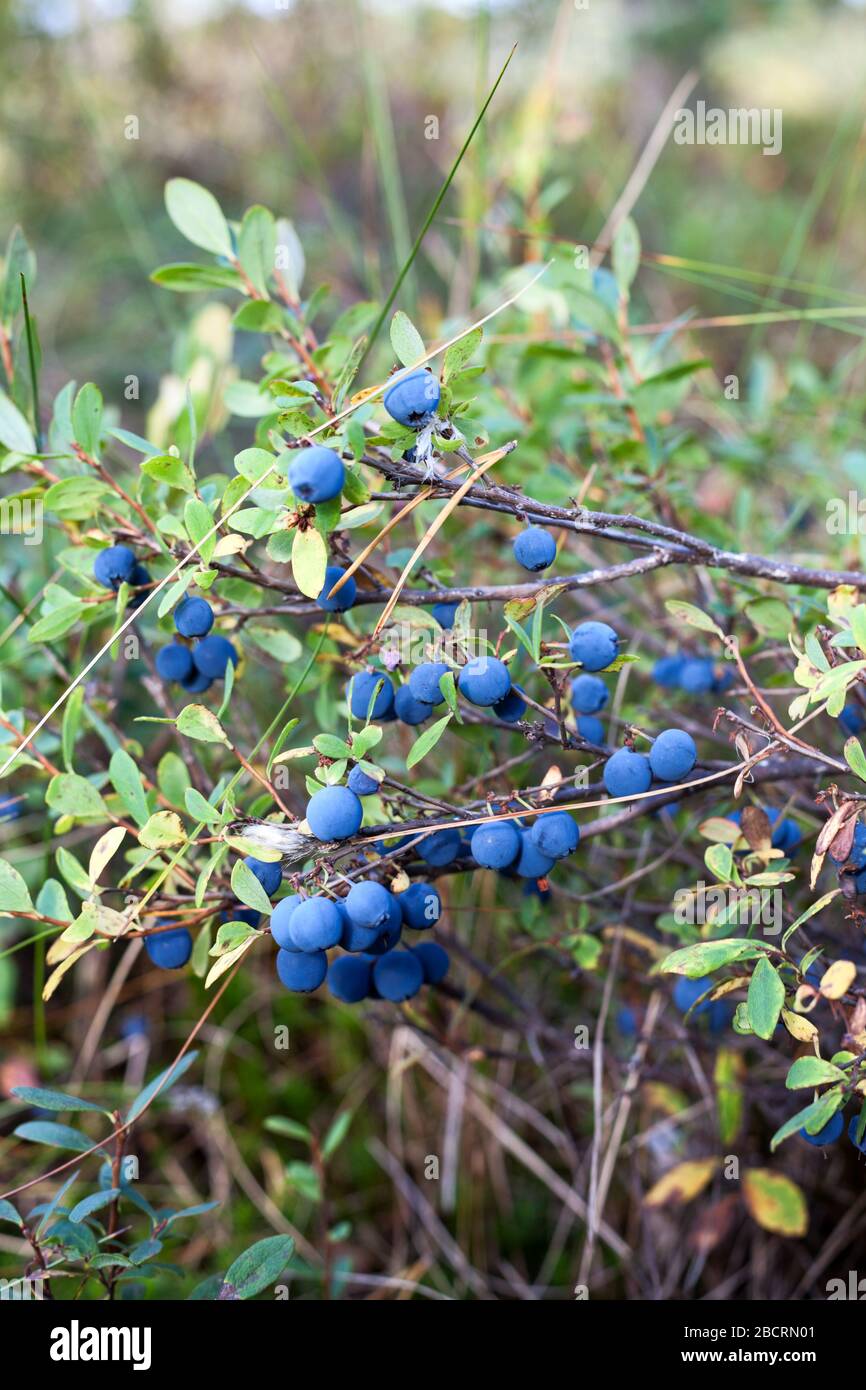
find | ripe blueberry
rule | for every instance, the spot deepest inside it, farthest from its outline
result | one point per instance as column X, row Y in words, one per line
column 484, row 680
column 852, row 1134
column 434, row 960
column 359, row 693
column 534, row 548
column 174, row 662
column 444, row 614
column 591, row 729
column 496, row 845
column 213, row 654
column 196, row 683
column 687, row 991
column 696, row 675
column 589, row 694
column 315, row 925
column 316, row 474
column 342, row 600
column 334, row 813
column 270, row 876
column 512, row 708
column 169, row 949
column 627, row 773
column 302, row 971
column 413, row 399
column 368, row 904
column 555, row 835
column 424, row 681
column 421, row 905
column 829, row 1134
column 667, row 671
column 594, row 645
column 280, row 919
column 409, row 710
column 440, row 848
column 354, row 937
column 349, row 979
column 531, row 863
column 398, row 975
column 673, row 755
column 114, row 566
column 361, row 783
column 193, row 617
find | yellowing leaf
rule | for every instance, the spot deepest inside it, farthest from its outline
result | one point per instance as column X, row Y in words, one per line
column 57, row 975
column 164, row 829
column 682, row 1183
column 838, row 979
column 775, row 1202
column 799, row 1027
column 105, row 848
column 309, row 561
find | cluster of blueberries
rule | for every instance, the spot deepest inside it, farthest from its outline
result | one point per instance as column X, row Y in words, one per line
column 483, row 681
column 195, row 668
column 696, row 675
column 117, row 565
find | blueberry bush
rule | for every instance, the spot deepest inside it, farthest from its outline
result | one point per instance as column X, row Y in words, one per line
column 445, row 702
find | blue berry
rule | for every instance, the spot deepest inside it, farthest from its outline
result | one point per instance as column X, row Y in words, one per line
column 409, row 710
column 280, row 919
column 434, row 960
column 829, row 1134
column 413, row 399
column 852, row 719
column 595, row 645
column 354, row 937
column 196, row 683
column 139, row 577
column 512, row 708
column 368, row 904
column 193, row 617
column 696, row 675
column 534, row 548
column 213, row 654
column 627, row 773
column 440, row 848
column 361, row 783
column 315, row 925
column 387, row 939
column 852, row 1134
column 334, row 813
column 316, row 474
column 626, row 1022
column 686, row 991
column 591, row 729
column 242, row 914
column 496, row 845
column 444, row 613
column 359, row 693
column 555, row 835
column 398, row 975
column 589, row 694
column 484, row 680
column 302, row 971
column 169, row 949
column 342, row 600
column 673, row 755
column 424, row 681
column 531, row 863
column 668, row 670
column 421, row 905
column 174, row 662
column 11, row 807
column 114, row 566
column 349, row 979
column 270, row 876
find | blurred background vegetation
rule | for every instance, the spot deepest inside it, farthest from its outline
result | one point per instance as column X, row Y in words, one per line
column 322, row 113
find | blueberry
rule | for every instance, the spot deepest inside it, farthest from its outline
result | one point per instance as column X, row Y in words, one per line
column 302, row 971
column 354, row 937
column 424, row 681
column 11, row 807
column 591, row 729
column 589, row 694
column 174, row 662
column 534, row 548
column 627, row 773
column 386, row 940
column 444, row 613
column 398, row 975
column 852, row 1134
column 531, row 863
column 196, row 683
column 496, row 845
column 315, row 925
column 421, row 905
column 359, row 693
column 668, row 670
column 686, row 991
column 342, row 600
column 114, row 566
column 555, row 835
column 280, row 919
column 316, row 474
column 829, row 1134
column 193, row 617
column 626, row 1022
column 409, row 710
column 696, row 675
column 334, row 813
column 434, row 960
column 242, row 914
column 361, row 783
column 673, row 755
column 594, row 645
column 440, row 848
column 368, row 904
column 512, row 708
column 349, row 979
column 852, row 719
column 213, row 654
column 139, row 577
column 169, row 949
column 270, row 876
column 484, row 680
column 413, row 399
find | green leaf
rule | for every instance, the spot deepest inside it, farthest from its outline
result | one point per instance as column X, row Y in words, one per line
column 95, row 1202
column 169, row 469
column 187, row 278
column 428, row 740
column 174, row 1073
column 459, row 353
column 309, row 561
column 257, row 243
column 54, row 1135
column 246, row 886
column 406, row 341
column 625, row 255
column 126, row 780
column 76, row 499
column 855, row 758
column 812, row 1071
column 71, row 724
column 332, row 747
column 765, row 999
column 54, row 1100
column 336, row 1134
column 198, row 216
column 55, row 623
column 770, row 616
column 71, row 795
column 201, row 809
column 720, row 862
column 291, row 1129
column 304, row 1178
column 257, row 1268
column 14, row 893
column 172, row 778
column 8, row 1213
column 198, row 722
column 15, row 433
column 705, row 956
column 87, row 418
column 200, row 524
column 695, row 617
